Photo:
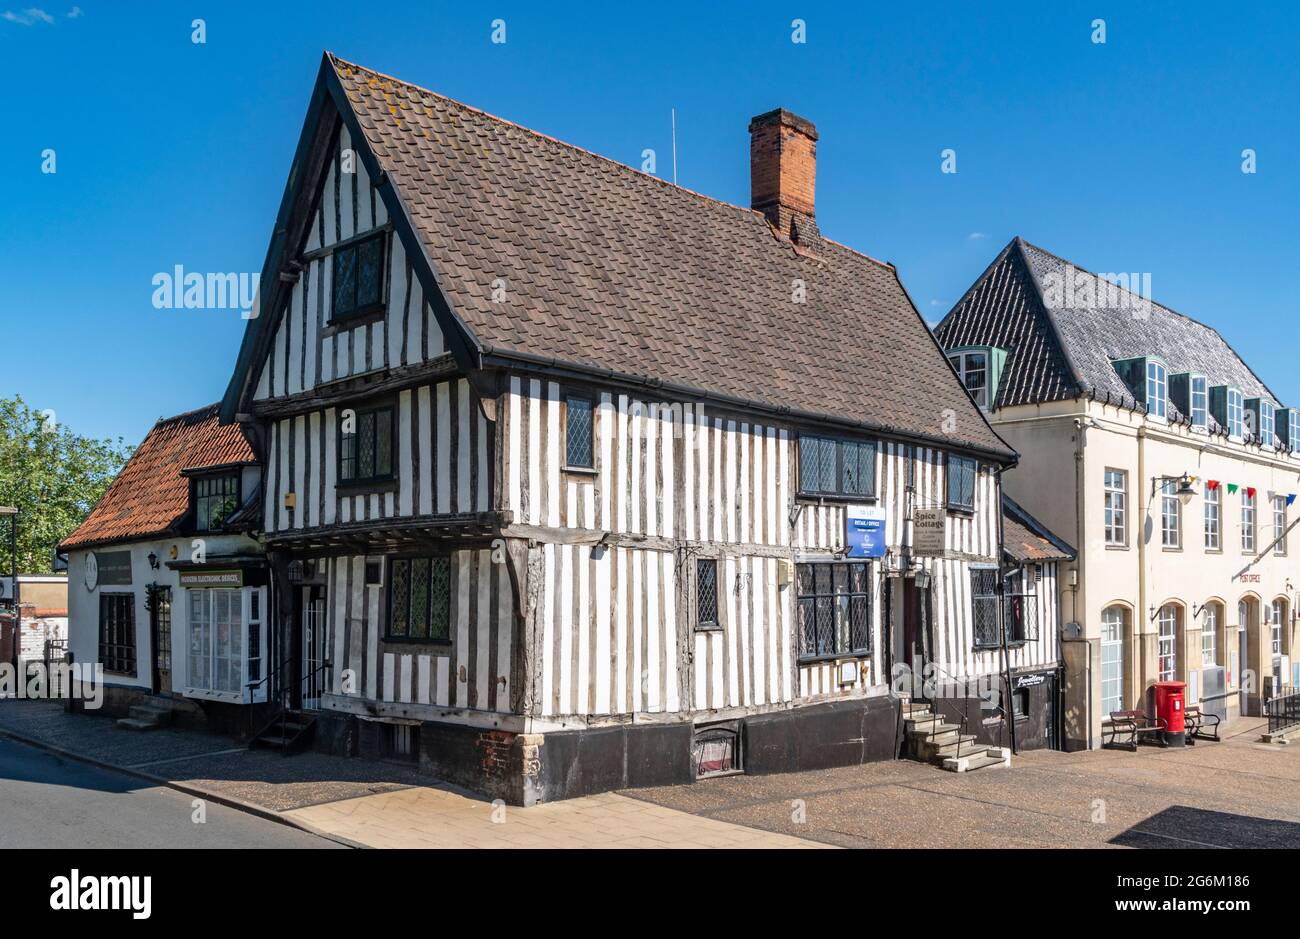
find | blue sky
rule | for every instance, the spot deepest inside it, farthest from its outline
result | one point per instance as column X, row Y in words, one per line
column 1121, row 157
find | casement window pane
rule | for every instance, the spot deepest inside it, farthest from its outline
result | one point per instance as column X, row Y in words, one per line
column 961, row 482
column 984, row 606
column 367, row 452
column 1156, row 390
column 383, row 443
column 366, row 445
column 579, row 445
column 706, row 593
column 399, row 610
column 420, row 598
column 833, row 609
column 440, row 599
column 1210, row 637
column 368, row 272
column 1170, row 515
column 1200, row 402
column 1116, row 507
column 358, row 278
column 1212, row 519
column 345, row 282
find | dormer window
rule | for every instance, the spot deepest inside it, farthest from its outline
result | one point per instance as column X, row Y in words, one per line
column 215, row 499
column 979, row 369
column 1190, row 393
column 1226, row 404
column 1157, row 388
column 1288, row 427
column 1261, row 414
column 1148, row 378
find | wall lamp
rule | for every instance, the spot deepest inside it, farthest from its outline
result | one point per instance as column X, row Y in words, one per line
column 153, row 561
column 1184, row 492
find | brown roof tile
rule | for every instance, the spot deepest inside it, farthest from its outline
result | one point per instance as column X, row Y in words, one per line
column 150, row 494
column 615, row 271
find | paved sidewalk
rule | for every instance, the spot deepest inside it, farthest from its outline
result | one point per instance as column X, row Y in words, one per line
column 427, row 817
column 366, row 802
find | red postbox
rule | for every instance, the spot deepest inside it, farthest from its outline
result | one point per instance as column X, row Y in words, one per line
column 1170, row 709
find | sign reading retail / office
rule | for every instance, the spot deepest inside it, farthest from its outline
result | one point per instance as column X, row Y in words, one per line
column 864, row 531
column 226, row 578
column 928, row 528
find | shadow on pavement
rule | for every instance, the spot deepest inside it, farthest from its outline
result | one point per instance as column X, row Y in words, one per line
column 1181, row 826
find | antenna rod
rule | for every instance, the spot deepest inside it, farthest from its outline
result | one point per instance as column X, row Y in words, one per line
column 674, row 146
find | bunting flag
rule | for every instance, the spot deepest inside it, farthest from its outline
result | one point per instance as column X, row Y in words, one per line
column 1290, row 498
column 1250, row 491
column 1232, row 487
column 1211, row 484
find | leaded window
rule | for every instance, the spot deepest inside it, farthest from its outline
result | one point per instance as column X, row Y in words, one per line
column 832, row 467
column 215, row 498
column 1022, row 607
column 706, row 593
column 358, row 278
column 117, row 632
column 419, row 600
column 579, row 432
column 366, row 447
column 961, row 482
column 984, row 607
column 834, row 609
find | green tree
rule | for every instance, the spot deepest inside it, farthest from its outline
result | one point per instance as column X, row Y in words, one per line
column 53, row 475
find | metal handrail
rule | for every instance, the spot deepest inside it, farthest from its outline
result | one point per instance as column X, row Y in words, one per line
column 279, row 687
column 965, row 718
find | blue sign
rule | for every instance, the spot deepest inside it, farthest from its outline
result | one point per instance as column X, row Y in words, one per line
column 864, row 531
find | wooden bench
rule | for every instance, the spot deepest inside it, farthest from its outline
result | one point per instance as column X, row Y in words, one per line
column 1198, row 722
column 1129, row 725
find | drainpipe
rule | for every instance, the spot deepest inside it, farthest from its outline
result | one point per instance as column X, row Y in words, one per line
column 1008, row 712
column 1140, row 621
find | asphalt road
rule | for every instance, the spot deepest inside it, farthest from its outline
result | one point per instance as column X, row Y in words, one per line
column 47, row 801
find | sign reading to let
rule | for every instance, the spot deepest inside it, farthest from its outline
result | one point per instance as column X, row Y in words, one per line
column 928, row 528
column 864, row 531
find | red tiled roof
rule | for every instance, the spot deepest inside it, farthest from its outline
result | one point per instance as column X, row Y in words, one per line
column 150, row 495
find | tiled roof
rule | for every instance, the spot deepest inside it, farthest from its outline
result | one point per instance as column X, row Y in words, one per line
column 1061, row 347
column 618, row 272
column 150, row 495
column 1025, row 539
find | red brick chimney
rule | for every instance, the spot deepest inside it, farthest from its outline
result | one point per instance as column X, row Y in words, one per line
column 783, row 171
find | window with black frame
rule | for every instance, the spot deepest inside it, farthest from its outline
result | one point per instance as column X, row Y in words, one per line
column 1022, row 607
column 834, row 609
column 984, row 607
column 215, row 499
column 358, row 278
column 579, row 432
column 961, row 483
column 117, row 632
column 366, row 449
column 706, row 593
column 419, row 599
column 829, row 466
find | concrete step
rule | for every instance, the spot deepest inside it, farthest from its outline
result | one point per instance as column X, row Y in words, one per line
column 940, row 751
column 150, row 712
column 929, row 730
column 979, row 760
column 135, row 723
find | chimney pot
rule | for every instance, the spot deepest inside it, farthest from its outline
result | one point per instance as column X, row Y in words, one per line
column 783, row 171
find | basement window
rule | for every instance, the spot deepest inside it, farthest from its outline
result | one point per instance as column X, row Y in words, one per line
column 716, row 752
column 401, row 742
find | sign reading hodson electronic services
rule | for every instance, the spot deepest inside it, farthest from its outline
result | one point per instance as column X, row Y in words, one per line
column 226, row 578
column 928, row 527
column 864, row 531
